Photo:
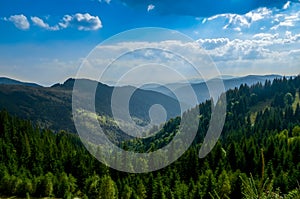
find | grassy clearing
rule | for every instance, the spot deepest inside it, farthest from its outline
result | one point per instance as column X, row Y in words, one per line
column 260, row 106
column 296, row 101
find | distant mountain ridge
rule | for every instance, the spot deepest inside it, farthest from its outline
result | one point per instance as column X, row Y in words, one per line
column 51, row 107
column 9, row 81
column 201, row 89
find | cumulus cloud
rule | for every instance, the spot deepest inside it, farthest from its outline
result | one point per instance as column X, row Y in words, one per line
column 210, row 44
column 263, row 53
column 264, row 18
column 286, row 20
column 150, row 7
column 239, row 22
column 264, row 46
column 81, row 22
column 207, row 8
column 40, row 23
column 20, row 21
column 235, row 49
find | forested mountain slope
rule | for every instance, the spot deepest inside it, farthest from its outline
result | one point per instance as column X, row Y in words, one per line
column 52, row 107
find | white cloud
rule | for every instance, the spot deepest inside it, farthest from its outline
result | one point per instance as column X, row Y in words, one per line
column 235, row 19
column 266, row 36
column 39, row 22
column 106, row 1
column 236, row 49
column 81, row 22
column 20, row 21
column 273, row 19
column 150, row 7
column 258, row 14
column 286, row 20
column 287, row 5
column 209, row 44
column 240, row 22
column 263, row 53
column 290, row 38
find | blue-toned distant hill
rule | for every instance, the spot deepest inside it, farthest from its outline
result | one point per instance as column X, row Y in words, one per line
column 9, row 81
column 201, row 87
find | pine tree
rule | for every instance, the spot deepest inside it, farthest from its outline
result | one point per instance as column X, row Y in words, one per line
column 107, row 189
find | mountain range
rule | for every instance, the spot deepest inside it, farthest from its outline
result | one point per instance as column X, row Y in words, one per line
column 51, row 107
column 201, row 89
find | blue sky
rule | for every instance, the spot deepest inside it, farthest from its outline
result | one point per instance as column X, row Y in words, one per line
column 46, row 41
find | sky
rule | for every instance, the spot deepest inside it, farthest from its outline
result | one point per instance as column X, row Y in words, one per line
column 46, row 41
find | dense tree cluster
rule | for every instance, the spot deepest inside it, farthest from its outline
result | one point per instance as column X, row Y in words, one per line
column 257, row 156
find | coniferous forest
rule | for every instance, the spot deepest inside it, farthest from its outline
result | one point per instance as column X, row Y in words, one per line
column 257, row 155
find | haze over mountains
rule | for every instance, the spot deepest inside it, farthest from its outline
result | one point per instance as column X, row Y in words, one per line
column 201, row 89
column 51, row 107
